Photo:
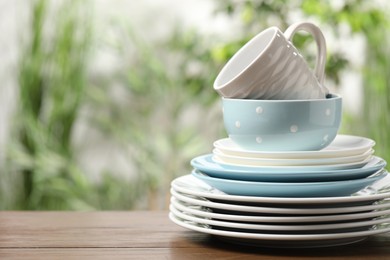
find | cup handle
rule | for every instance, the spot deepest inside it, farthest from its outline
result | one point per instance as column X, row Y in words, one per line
column 319, row 69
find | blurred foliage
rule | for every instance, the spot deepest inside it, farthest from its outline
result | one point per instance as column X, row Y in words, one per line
column 160, row 90
column 52, row 80
column 52, row 77
column 157, row 107
column 368, row 19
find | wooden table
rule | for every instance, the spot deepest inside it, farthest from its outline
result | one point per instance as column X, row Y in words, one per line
column 143, row 235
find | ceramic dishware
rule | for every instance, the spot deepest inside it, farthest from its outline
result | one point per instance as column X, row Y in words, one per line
column 270, row 67
column 282, row 221
column 270, row 228
column 274, row 210
column 289, row 169
column 290, row 189
column 206, row 163
column 246, row 160
column 282, row 240
column 282, row 125
column 342, row 146
column 191, row 186
column 207, row 212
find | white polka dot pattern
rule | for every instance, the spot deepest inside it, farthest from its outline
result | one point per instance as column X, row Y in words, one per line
column 259, row 110
column 327, row 112
column 293, row 128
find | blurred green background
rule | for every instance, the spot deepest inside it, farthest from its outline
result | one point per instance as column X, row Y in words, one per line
column 108, row 111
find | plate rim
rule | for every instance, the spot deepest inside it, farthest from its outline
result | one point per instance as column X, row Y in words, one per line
column 275, row 210
column 304, row 168
column 371, row 143
column 290, row 189
column 279, row 237
column 285, row 219
column 275, row 227
column 384, row 173
column 281, row 200
column 297, row 161
column 279, row 169
column 205, row 164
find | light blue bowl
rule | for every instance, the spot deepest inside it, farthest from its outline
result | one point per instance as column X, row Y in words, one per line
column 282, row 125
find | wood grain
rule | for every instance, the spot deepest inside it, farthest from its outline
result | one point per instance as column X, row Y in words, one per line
column 143, row 235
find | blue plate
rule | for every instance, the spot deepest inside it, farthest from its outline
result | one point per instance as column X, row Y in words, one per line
column 206, row 164
column 283, row 189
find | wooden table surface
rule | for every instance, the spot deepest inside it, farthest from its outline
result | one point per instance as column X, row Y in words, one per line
column 143, row 235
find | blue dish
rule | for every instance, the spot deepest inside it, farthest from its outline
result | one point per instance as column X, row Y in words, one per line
column 283, row 189
column 282, row 125
column 206, row 164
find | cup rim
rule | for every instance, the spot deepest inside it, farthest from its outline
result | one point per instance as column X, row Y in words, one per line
column 330, row 96
column 221, row 86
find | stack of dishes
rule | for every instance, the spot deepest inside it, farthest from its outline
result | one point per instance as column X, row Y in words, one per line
column 337, row 195
column 283, row 177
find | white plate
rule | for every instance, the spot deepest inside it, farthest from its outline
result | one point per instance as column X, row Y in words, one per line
column 283, row 240
column 354, row 225
column 190, row 185
column 246, row 160
column 208, row 213
column 258, row 165
column 343, row 145
column 276, row 210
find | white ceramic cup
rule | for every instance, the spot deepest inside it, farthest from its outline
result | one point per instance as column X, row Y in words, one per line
column 270, row 67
